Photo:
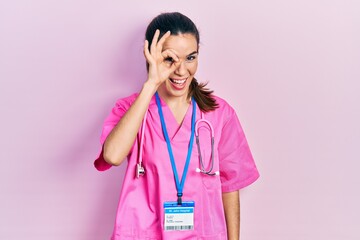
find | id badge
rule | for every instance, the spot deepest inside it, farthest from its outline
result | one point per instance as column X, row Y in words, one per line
column 179, row 217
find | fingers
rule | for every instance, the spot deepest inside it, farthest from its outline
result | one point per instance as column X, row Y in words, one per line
column 149, row 58
column 157, row 44
column 161, row 63
column 146, row 49
column 174, row 66
column 154, row 41
column 173, row 59
column 162, row 40
column 170, row 54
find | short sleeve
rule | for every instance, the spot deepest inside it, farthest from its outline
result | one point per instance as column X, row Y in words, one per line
column 110, row 122
column 237, row 166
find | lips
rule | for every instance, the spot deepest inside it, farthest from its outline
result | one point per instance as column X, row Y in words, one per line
column 178, row 83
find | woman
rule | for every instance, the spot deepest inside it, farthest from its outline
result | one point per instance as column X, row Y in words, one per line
column 188, row 190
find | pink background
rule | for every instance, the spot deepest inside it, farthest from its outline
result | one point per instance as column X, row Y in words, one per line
column 290, row 69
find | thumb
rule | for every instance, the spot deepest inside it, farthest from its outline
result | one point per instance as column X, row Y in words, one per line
column 174, row 66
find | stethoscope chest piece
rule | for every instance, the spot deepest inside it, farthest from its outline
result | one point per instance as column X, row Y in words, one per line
column 140, row 171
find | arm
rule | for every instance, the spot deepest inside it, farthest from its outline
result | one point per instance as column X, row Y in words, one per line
column 231, row 202
column 122, row 137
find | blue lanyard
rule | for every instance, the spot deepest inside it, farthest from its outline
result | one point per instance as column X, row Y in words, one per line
column 179, row 185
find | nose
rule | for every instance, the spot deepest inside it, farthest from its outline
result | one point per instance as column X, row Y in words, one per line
column 181, row 69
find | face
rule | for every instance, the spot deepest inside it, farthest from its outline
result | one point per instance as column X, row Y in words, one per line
column 186, row 49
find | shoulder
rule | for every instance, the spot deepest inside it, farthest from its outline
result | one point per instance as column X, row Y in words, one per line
column 126, row 102
column 224, row 107
column 223, row 114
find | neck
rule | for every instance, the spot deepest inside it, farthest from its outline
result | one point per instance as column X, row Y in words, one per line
column 177, row 105
column 174, row 101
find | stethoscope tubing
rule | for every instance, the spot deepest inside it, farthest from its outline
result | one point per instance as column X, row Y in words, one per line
column 203, row 169
column 140, row 171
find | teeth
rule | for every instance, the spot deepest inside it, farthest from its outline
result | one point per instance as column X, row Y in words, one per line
column 178, row 81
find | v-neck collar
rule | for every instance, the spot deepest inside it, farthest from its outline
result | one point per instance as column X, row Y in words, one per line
column 176, row 130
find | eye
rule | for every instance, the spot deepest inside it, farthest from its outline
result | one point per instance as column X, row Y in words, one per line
column 190, row 58
column 169, row 59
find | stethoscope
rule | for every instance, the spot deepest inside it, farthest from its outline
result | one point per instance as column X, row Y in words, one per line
column 211, row 129
column 140, row 170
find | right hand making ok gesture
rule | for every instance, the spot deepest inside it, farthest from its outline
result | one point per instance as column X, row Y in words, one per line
column 161, row 63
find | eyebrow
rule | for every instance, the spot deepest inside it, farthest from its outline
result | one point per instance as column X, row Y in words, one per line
column 194, row 52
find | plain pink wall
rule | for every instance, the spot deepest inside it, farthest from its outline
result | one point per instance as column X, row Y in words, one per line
column 290, row 69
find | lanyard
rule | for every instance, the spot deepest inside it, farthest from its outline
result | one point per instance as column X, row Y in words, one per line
column 179, row 185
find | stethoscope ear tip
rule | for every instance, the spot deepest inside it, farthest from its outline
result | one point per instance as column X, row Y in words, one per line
column 197, row 170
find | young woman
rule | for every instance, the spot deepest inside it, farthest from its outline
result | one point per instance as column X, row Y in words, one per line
column 187, row 153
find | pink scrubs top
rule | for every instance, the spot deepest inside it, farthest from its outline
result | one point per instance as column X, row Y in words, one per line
column 140, row 214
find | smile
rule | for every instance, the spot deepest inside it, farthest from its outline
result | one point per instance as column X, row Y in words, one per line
column 178, row 81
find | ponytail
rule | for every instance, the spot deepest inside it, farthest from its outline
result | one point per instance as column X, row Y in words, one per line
column 203, row 96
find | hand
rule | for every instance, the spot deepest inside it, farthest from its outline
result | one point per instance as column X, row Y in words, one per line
column 161, row 63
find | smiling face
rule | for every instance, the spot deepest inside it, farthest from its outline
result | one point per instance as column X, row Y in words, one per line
column 185, row 47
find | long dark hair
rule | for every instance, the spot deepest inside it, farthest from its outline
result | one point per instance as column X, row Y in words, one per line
column 178, row 23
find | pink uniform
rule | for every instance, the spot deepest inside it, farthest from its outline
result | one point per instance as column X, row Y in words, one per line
column 140, row 214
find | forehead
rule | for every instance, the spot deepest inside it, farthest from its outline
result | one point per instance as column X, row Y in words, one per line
column 182, row 44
